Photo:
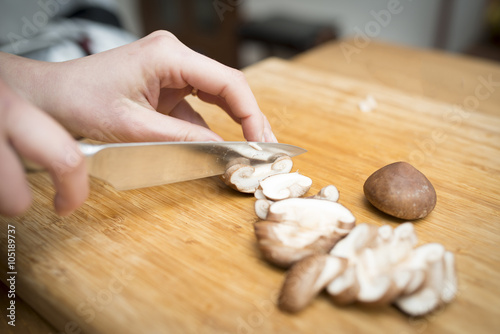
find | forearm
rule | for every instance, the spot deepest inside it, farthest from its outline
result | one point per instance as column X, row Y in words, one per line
column 28, row 78
column 37, row 82
column 23, row 75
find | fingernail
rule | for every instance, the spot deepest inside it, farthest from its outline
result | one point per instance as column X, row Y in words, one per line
column 216, row 138
column 60, row 206
column 269, row 136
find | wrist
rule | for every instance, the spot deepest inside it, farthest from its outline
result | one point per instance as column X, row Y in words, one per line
column 27, row 77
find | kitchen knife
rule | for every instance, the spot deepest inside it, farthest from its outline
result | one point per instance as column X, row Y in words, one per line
column 137, row 165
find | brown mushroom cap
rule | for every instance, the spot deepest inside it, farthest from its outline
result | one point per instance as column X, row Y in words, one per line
column 400, row 190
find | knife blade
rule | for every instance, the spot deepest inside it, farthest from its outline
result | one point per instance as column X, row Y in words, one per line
column 137, row 165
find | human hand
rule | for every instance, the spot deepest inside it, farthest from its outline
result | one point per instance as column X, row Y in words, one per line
column 27, row 131
column 132, row 93
column 136, row 93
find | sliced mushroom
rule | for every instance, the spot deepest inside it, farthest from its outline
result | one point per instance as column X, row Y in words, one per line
column 259, row 194
column 358, row 239
column 450, row 285
column 345, row 288
column 381, row 260
column 380, row 264
column 312, row 213
column 374, row 290
column 297, row 186
column 245, row 178
column 439, row 286
column 306, row 279
column 384, row 266
column 262, row 207
column 283, row 244
column 362, row 282
column 299, row 227
column 329, row 193
column 282, row 186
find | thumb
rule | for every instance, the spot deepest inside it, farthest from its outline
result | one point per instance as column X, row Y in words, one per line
column 149, row 125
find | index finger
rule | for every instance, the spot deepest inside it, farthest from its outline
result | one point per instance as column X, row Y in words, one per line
column 216, row 79
column 42, row 140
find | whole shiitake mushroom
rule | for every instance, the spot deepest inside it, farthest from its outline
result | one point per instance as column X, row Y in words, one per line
column 400, row 190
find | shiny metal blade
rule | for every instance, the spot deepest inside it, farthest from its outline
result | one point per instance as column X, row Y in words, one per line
column 137, row 165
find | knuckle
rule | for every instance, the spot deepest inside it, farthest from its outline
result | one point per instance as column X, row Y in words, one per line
column 69, row 160
column 238, row 76
column 182, row 136
column 161, row 37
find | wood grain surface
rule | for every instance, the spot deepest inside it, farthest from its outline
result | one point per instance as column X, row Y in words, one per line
column 182, row 258
column 434, row 74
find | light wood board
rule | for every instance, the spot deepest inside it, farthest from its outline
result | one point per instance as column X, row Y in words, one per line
column 182, row 258
column 447, row 77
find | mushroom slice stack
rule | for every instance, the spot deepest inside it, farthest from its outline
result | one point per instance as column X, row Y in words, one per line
column 382, row 267
column 374, row 276
column 244, row 177
column 298, row 227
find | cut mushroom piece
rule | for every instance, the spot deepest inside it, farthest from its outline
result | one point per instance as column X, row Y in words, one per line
column 356, row 240
column 450, row 285
column 416, row 281
column 299, row 227
column 312, row 213
column 381, row 265
column 419, row 303
column 245, row 178
column 329, row 193
column 283, row 244
column 259, row 194
column 262, row 208
column 282, row 186
column 368, row 104
column 374, row 290
column 345, row 288
column 439, row 286
column 306, row 279
column 380, row 278
column 391, row 245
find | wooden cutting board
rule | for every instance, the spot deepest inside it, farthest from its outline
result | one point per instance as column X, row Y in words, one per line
column 182, row 258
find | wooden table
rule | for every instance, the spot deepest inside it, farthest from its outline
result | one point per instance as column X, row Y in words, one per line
column 182, row 258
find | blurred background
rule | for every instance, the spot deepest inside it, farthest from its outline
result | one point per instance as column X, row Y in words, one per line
column 241, row 32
